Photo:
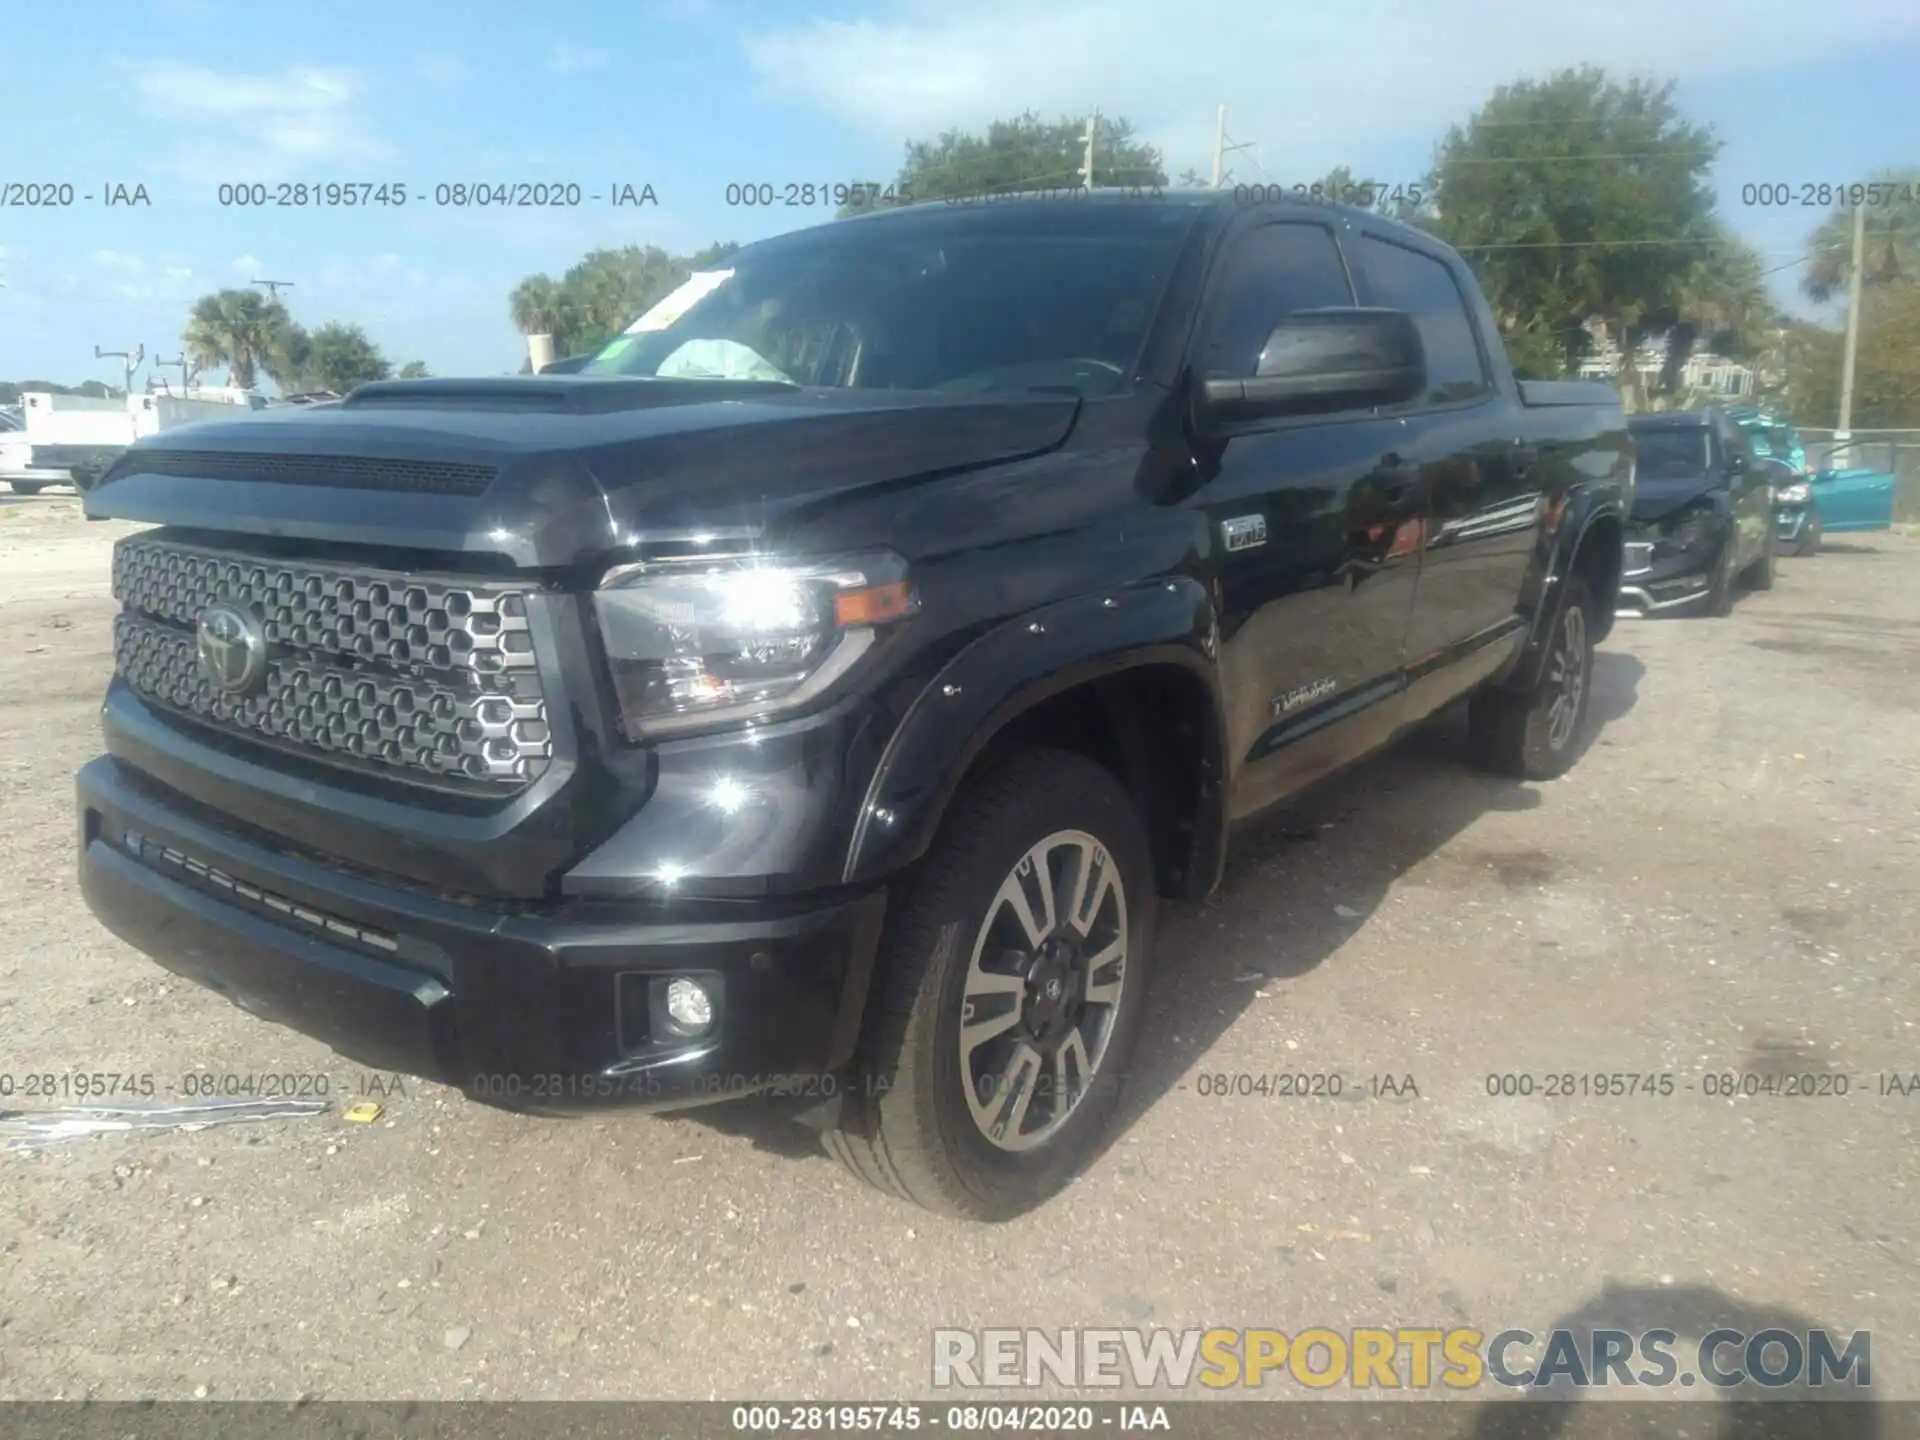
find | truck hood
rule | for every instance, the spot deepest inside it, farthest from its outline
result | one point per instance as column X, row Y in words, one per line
column 551, row 471
column 1657, row 499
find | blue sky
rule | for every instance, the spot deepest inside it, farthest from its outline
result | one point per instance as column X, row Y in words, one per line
column 690, row 95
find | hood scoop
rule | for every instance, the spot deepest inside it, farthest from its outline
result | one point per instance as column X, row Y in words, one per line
column 556, row 394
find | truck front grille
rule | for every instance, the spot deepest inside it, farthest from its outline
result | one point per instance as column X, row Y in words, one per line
column 431, row 678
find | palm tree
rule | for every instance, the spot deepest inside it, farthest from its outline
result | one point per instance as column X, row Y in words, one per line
column 539, row 311
column 1892, row 249
column 236, row 328
column 1723, row 302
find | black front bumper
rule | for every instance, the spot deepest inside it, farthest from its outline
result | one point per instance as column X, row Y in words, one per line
column 1791, row 522
column 1658, row 576
column 546, row 1007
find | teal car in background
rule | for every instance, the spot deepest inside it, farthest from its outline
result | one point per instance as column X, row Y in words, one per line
column 1815, row 501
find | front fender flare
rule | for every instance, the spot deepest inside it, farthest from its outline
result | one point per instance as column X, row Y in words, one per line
column 1009, row 670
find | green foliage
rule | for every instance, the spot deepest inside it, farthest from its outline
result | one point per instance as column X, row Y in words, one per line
column 415, row 370
column 1886, row 382
column 239, row 329
column 603, row 292
column 1723, row 303
column 341, row 357
column 288, row 357
column 536, row 307
column 1024, row 153
column 1535, row 352
column 1892, row 238
column 1577, row 198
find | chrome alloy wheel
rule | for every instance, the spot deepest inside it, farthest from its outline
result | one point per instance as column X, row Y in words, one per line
column 1043, row 990
column 1567, row 675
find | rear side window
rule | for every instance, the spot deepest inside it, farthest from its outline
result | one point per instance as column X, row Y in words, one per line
column 1403, row 279
column 1267, row 274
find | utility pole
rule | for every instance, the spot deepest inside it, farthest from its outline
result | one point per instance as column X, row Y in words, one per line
column 1845, row 432
column 1221, row 149
column 131, row 362
column 273, row 287
column 1086, row 170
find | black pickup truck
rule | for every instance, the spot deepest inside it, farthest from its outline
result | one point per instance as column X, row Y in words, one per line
column 818, row 690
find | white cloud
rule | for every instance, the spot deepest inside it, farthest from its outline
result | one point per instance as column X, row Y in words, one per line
column 237, row 126
column 1311, row 85
column 248, row 265
column 569, row 59
column 119, row 261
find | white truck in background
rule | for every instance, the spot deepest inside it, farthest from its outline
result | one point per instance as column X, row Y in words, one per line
column 14, row 469
column 78, row 436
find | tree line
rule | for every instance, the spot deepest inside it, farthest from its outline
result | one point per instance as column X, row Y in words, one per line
column 252, row 334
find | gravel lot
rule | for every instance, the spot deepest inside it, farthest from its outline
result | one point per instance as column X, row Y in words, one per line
column 1729, row 882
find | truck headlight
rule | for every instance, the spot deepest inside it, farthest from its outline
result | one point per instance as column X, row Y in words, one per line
column 701, row 642
column 1797, row 493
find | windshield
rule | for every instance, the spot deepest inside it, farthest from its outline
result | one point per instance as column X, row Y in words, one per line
column 1047, row 296
column 1671, row 454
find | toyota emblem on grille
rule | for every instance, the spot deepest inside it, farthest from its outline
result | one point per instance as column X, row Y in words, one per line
column 233, row 648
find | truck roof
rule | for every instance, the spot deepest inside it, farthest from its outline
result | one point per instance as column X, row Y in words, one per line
column 1223, row 201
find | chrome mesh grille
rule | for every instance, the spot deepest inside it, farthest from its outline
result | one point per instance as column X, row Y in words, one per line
column 428, row 676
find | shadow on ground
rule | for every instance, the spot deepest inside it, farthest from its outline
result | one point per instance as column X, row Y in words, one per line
column 1789, row 1412
column 1370, row 825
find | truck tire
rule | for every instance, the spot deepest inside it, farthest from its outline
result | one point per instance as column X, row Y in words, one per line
column 27, row 487
column 1718, row 601
column 1810, row 542
column 1535, row 734
column 1051, row 1022
column 1760, row 572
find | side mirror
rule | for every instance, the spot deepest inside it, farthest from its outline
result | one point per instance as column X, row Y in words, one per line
column 1316, row 361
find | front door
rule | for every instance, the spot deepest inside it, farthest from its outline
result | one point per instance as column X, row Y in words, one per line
column 1315, row 522
column 1749, row 492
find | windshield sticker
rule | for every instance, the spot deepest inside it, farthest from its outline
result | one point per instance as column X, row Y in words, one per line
column 615, row 348
column 696, row 288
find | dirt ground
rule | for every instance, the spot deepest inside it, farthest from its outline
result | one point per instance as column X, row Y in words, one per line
column 1728, row 883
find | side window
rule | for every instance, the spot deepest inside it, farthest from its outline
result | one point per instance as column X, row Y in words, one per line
column 1269, row 273
column 1741, row 444
column 1403, row 279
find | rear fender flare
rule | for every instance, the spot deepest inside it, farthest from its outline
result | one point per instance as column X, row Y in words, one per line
column 1573, row 534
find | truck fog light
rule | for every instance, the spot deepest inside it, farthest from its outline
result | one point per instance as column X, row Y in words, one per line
column 689, row 1005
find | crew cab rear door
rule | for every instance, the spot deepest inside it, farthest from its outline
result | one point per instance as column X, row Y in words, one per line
column 1315, row 526
column 1475, row 468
